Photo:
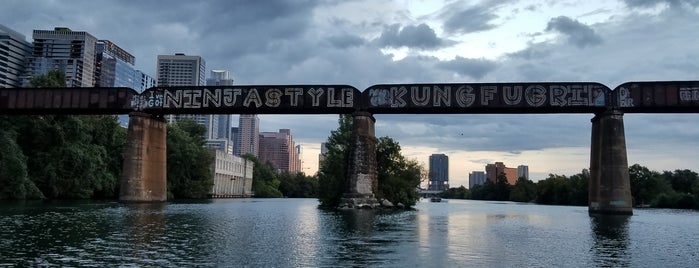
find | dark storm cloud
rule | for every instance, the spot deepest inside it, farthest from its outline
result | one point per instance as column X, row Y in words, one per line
column 578, row 34
column 343, row 41
column 460, row 19
column 420, row 36
column 474, row 68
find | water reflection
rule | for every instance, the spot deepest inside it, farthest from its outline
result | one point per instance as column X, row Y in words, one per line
column 611, row 240
column 144, row 225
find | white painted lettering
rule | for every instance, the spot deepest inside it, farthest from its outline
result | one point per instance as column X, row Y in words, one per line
column 535, row 95
column 512, row 95
column 487, row 94
column 558, row 95
column 172, row 101
column 579, row 95
column 315, row 96
column 465, row 96
column 194, row 98
column 420, row 98
column 253, row 96
column 442, row 96
column 230, row 95
column 273, row 97
column 212, row 97
column 396, row 96
column 294, row 94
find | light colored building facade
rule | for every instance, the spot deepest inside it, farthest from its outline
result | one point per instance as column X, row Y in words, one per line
column 14, row 51
column 278, row 148
column 232, row 175
column 248, row 138
column 523, row 172
column 438, row 173
column 70, row 51
column 476, row 178
column 186, row 70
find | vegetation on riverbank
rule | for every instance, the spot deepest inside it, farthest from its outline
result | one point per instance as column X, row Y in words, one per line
column 397, row 176
column 669, row 189
column 59, row 156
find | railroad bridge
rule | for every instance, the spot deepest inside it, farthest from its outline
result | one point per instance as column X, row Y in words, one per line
column 144, row 170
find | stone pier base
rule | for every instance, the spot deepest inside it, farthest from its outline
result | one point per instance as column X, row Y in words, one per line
column 362, row 165
column 144, row 174
column 609, row 186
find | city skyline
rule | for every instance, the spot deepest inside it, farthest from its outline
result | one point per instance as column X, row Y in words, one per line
column 365, row 42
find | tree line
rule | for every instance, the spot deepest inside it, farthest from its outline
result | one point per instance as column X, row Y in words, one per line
column 398, row 177
column 667, row 189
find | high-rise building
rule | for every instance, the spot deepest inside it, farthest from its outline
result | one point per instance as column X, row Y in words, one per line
column 180, row 70
column 221, row 78
column 476, row 178
column 248, row 139
column 183, row 70
column 235, row 133
column 523, row 172
column 492, row 171
column 114, row 67
column 142, row 81
column 14, row 50
column 70, row 51
column 439, row 172
column 323, row 153
column 278, row 148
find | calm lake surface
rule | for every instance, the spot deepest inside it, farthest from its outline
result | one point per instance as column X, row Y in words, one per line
column 295, row 233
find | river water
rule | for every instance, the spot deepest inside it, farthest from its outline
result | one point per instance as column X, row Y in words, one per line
column 295, row 233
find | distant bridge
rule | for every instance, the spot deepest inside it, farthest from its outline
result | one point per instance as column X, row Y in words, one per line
column 144, row 175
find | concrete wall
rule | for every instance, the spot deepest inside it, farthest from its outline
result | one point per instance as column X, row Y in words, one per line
column 609, row 187
column 144, row 176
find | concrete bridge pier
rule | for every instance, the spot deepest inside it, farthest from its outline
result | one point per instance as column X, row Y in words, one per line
column 609, row 186
column 144, row 174
column 362, row 175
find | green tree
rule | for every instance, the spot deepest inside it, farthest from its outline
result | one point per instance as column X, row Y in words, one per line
column 524, row 190
column 298, row 185
column 681, row 180
column 265, row 182
column 456, row 193
column 579, row 188
column 332, row 173
column 398, row 178
column 554, row 190
column 65, row 156
column 646, row 185
column 502, row 188
column 14, row 179
column 189, row 172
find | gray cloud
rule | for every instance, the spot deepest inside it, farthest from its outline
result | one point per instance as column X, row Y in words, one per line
column 420, row 36
column 474, row 68
column 462, row 20
column 342, row 41
column 577, row 33
column 653, row 3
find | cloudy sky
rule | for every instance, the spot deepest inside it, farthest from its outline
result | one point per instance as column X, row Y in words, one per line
column 366, row 42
